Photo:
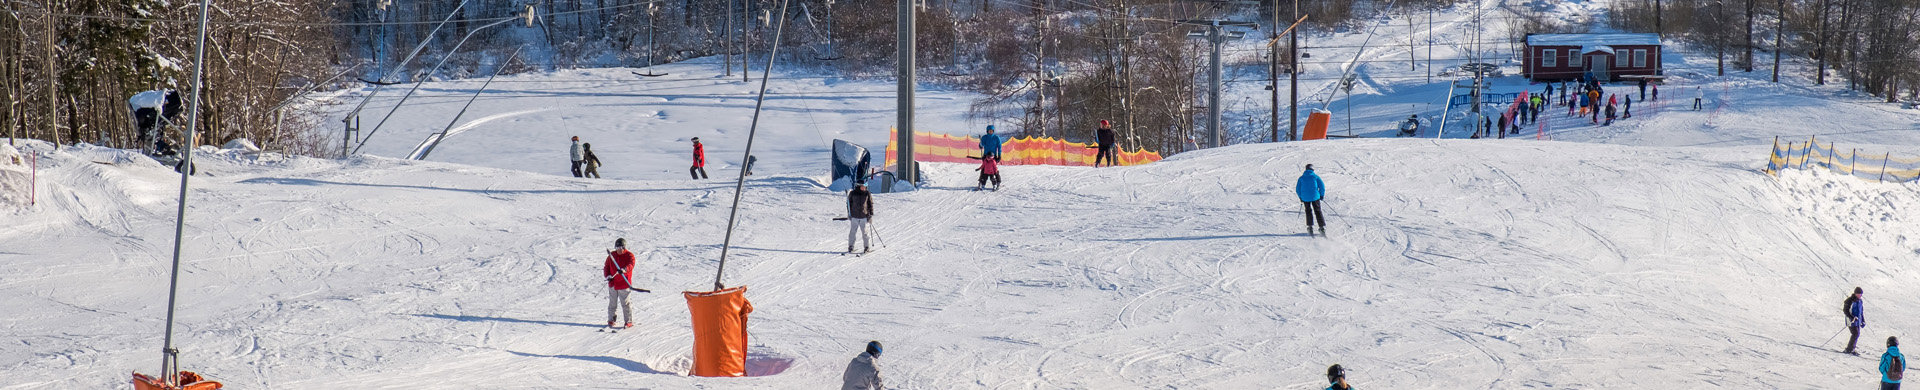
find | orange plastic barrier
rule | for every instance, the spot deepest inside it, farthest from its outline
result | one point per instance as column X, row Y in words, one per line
column 932, row 147
column 1317, row 125
column 719, row 331
column 190, row 380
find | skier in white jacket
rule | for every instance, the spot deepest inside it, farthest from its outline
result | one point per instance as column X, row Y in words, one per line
column 578, row 156
column 864, row 373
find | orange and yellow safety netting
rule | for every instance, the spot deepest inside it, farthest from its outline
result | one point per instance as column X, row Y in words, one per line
column 934, row 147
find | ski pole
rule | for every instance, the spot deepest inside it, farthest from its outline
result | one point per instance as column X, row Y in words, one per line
column 1836, row 334
column 875, row 232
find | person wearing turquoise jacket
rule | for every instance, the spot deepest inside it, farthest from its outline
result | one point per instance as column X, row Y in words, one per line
column 1337, row 378
column 1311, row 191
column 990, row 145
column 1892, row 365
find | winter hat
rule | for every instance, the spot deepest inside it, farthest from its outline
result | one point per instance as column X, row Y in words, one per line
column 1856, row 291
column 989, row 127
column 587, row 146
column 696, row 139
column 1335, row 372
column 620, row 243
column 873, row 348
column 1893, row 341
column 576, row 138
column 1104, row 123
column 1309, row 167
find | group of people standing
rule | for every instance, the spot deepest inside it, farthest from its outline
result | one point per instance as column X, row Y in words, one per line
column 1587, row 102
column 587, row 165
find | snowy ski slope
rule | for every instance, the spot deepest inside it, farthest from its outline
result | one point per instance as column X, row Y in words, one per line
column 1453, row 264
column 1651, row 253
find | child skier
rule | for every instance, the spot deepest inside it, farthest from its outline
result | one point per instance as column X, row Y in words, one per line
column 989, row 169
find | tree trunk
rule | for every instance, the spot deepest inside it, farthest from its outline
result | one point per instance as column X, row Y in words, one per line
column 1820, row 54
column 1847, row 46
column 1748, row 43
column 1779, row 31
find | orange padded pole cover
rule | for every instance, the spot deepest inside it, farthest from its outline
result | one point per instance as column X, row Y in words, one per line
column 1317, row 125
column 719, row 331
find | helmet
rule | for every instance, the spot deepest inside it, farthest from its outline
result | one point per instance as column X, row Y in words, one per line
column 989, row 127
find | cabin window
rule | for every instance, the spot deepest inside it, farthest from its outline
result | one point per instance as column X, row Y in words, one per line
column 1550, row 57
column 1639, row 58
column 1620, row 58
column 1574, row 58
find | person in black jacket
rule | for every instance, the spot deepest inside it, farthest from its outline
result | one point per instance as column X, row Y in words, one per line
column 1105, row 138
column 859, row 210
column 591, row 161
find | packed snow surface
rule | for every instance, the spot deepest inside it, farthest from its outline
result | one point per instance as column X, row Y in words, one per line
column 1452, row 264
column 1647, row 254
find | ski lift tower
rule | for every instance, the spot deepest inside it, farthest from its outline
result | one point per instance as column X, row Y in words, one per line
column 903, row 160
column 1216, row 32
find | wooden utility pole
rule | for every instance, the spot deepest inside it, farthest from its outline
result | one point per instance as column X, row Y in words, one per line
column 1273, row 74
column 1126, row 73
column 1293, row 78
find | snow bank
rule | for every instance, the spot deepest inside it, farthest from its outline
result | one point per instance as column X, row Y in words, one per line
column 1885, row 215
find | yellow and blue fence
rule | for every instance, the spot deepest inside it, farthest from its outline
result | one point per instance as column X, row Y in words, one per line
column 1813, row 154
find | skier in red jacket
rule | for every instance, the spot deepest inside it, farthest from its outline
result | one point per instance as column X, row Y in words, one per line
column 699, row 169
column 619, row 273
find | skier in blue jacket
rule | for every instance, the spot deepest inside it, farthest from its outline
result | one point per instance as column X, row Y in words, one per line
column 1892, row 365
column 990, row 145
column 1311, row 190
column 1856, row 319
